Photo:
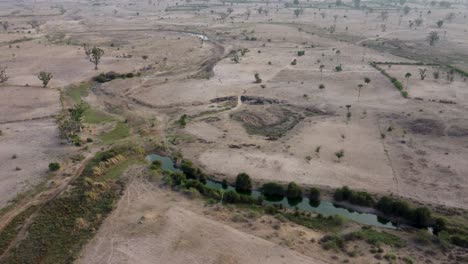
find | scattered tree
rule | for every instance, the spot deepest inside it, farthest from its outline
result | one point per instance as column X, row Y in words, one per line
column 440, row 23
column 436, row 75
column 432, row 38
column 321, row 67
column 359, row 90
column 298, row 12
column 45, row 77
column 314, row 194
column 407, row 76
column 257, row 78
column 418, row 22
column 293, row 191
column 339, row 154
column 5, row 25
column 272, row 189
column 406, row 10
column 95, row 56
column 243, row 183
column 422, row 73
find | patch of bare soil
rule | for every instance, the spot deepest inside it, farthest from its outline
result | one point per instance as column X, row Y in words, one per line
column 152, row 225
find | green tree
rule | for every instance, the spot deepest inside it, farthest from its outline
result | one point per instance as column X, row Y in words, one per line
column 95, row 58
column 243, row 183
column 407, row 76
column 272, row 189
column 321, row 67
column 314, row 194
column 45, row 77
column 421, row 216
column 293, row 191
column 439, row 225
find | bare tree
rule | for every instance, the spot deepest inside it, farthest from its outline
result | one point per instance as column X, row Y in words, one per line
column 422, row 74
column 96, row 54
column 87, row 50
column 3, row 76
column 45, row 77
column 298, row 12
column 5, row 25
column 432, row 38
column 384, row 15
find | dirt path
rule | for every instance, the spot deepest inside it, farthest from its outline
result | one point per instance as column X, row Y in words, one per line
column 42, row 198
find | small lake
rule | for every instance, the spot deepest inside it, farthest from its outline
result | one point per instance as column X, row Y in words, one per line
column 325, row 208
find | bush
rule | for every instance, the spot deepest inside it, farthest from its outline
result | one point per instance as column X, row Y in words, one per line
column 421, row 216
column 156, row 165
column 233, row 198
column 392, row 206
column 338, row 68
column 293, row 191
column 301, row 53
column 243, row 183
column 358, row 198
column 342, row 194
column 272, row 189
column 459, row 241
column 439, row 225
column 361, row 198
column 54, row 166
column 109, row 76
column 314, row 194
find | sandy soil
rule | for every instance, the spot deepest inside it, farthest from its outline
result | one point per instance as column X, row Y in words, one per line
column 172, row 231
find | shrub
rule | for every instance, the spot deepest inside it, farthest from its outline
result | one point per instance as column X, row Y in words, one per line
column 421, row 216
column 156, row 165
column 272, row 189
column 54, row 166
column 293, row 191
column 314, row 194
column 301, row 53
column 342, row 194
column 439, row 225
column 459, row 241
column 233, row 197
column 243, row 183
column 224, row 184
column 338, row 68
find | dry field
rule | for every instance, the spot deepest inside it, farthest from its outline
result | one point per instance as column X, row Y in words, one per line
column 312, row 103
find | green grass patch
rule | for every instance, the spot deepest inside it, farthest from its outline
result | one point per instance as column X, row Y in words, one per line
column 64, row 225
column 115, row 171
column 331, row 223
column 77, row 92
column 120, row 131
column 93, row 116
column 11, row 230
column 377, row 238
